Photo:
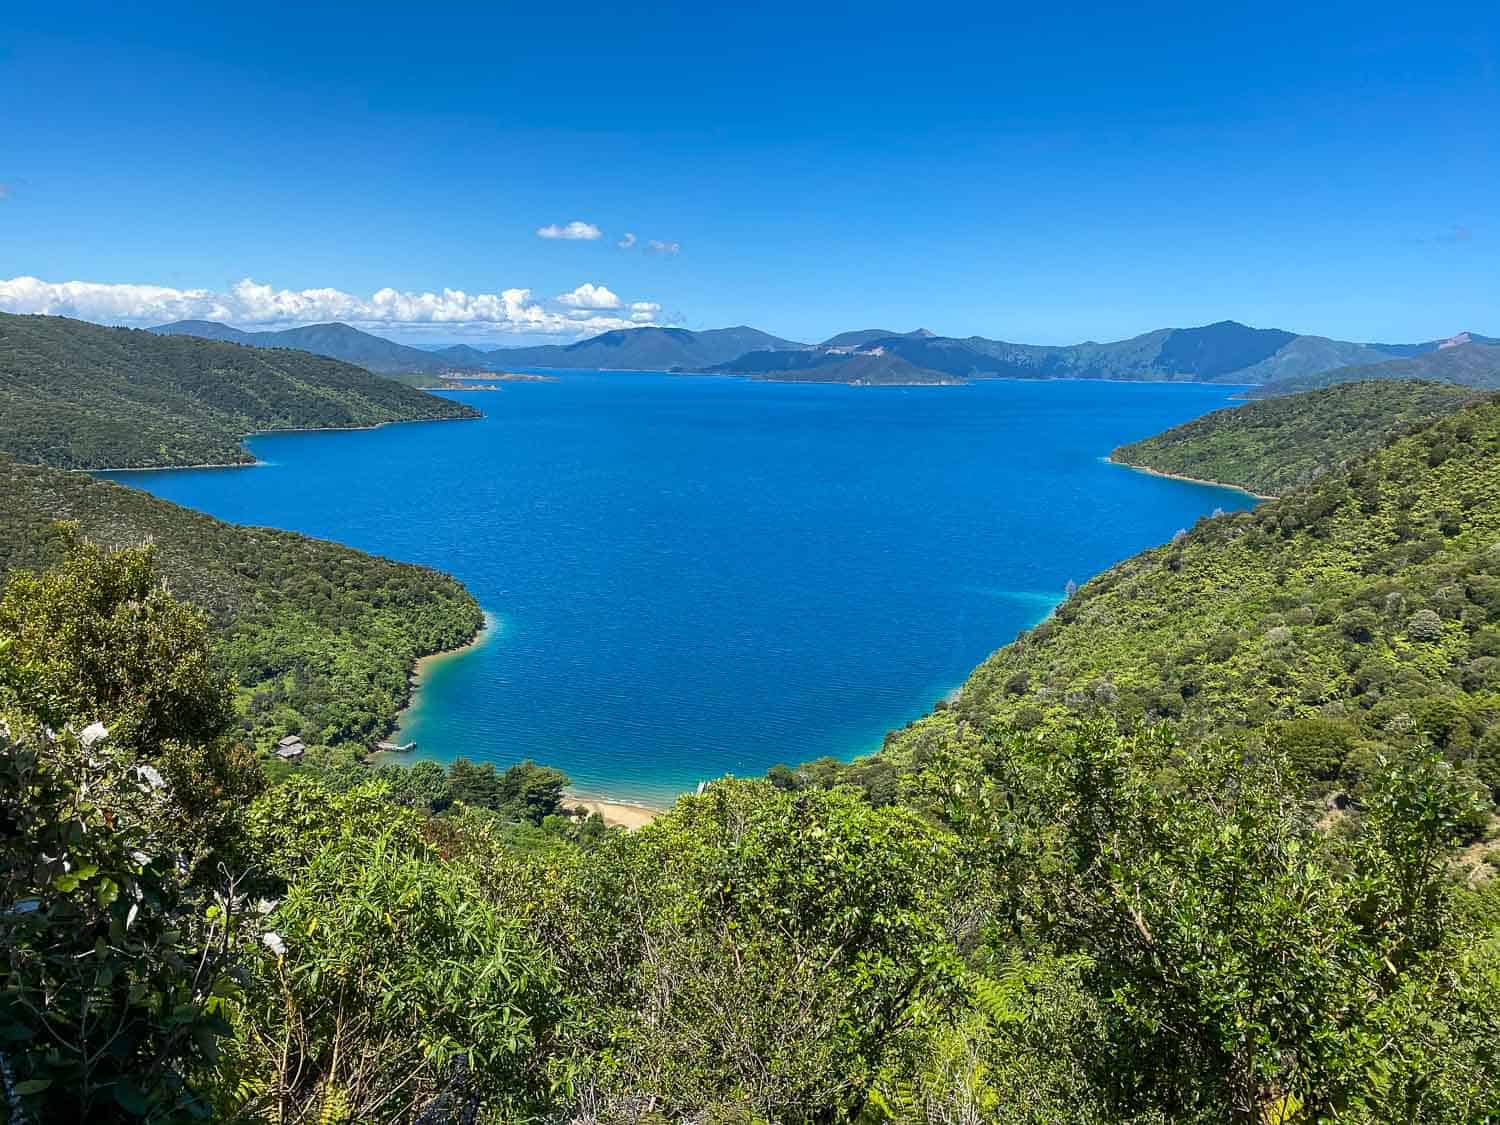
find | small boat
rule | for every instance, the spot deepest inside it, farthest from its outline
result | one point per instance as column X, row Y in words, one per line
column 394, row 748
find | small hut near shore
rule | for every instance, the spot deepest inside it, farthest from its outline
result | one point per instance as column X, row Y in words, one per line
column 290, row 748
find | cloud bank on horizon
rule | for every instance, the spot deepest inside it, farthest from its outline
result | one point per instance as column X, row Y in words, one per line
column 588, row 309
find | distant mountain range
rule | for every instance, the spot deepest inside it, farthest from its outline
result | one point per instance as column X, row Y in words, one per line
column 1226, row 352
column 1467, row 360
column 337, row 341
column 630, row 349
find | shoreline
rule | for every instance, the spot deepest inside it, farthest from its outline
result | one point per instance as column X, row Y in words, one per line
column 1190, row 480
column 256, row 462
column 425, row 663
column 251, row 464
column 629, row 815
column 497, row 376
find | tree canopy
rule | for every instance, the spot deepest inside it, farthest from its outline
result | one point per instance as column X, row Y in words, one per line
column 317, row 639
column 1272, row 446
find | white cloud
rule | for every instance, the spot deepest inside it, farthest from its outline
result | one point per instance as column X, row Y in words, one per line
column 644, row 312
column 577, row 230
column 590, row 296
column 657, row 246
column 256, row 304
column 627, row 242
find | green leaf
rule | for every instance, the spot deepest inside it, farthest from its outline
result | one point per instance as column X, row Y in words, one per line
column 106, row 891
column 130, row 1099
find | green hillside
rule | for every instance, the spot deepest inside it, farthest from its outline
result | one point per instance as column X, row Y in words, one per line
column 318, row 638
column 79, row 396
column 1358, row 614
column 1270, row 447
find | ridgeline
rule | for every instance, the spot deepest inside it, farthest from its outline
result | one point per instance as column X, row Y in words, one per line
column 79, row 396
column 1275, row 445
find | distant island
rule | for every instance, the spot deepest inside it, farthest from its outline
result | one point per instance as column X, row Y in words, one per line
column 470, row 382
column 872, row 368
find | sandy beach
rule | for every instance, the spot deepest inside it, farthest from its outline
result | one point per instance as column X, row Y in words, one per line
column 616, row 814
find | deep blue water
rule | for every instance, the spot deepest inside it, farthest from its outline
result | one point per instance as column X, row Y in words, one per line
column 696, row 576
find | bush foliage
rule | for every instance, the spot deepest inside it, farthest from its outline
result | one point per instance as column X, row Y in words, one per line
column 317, row 639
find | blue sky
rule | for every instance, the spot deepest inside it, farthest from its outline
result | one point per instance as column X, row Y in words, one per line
column 1046, row 173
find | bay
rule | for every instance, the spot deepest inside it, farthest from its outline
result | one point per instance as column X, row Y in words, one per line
column 689, row 577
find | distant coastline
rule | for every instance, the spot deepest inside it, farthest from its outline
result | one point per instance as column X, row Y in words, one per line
column 552, row 374
column 252, row 463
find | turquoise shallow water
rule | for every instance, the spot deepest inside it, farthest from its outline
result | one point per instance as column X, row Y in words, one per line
column 692, row 576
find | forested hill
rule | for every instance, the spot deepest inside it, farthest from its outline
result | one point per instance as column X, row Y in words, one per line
column 1361, row 612
column 1473, row 362
column 1272, row 446
column 319, row 638
column 81, row 396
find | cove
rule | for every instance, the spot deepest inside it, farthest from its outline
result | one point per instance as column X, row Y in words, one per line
column 689, row 577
